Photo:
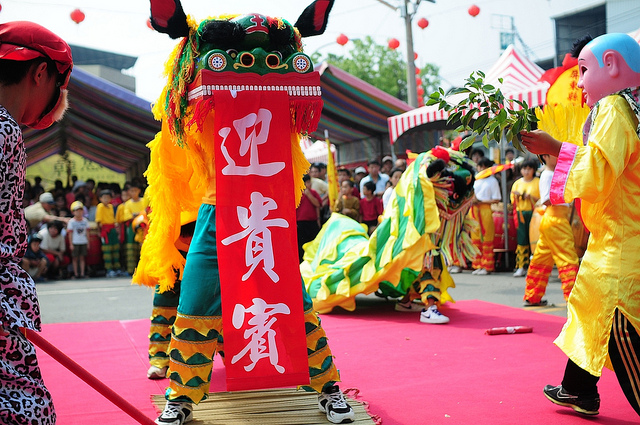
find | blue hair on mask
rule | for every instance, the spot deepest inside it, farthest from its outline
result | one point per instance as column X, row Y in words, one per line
column 624, row 44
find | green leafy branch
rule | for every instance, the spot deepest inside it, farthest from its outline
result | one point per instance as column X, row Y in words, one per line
column 485, row 111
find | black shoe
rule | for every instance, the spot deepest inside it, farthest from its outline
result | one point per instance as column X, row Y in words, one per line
column 332, row 402
column 587, row 405
column 541, row 303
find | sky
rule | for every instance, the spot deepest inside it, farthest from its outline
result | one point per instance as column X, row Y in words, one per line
column 454, row 40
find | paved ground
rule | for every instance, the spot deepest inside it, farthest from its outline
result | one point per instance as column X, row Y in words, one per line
column 98, row 299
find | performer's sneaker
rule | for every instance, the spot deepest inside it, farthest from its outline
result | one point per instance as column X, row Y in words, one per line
column 540, row 303
column 480, row 272
column 455, row 269
column 175, row 413
column 155, row 372
column 587, row 405
column 520, row 272
column 410, row 307
column 332, row 402
column 433, row 316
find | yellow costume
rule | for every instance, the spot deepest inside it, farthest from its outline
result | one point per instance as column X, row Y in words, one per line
column 524, row 210
column 605, row 174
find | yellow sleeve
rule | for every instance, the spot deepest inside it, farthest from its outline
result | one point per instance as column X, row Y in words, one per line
column 597, row 166
column 99, row 214
column 515, row 188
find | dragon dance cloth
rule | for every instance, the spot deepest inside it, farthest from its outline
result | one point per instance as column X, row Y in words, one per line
column 423, row 229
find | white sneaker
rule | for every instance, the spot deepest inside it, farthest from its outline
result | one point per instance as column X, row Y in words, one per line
column 455, row 269
column 175, row 413
column 481, row 272
column 520, row 272
column 433, row 316
column 332, row 402
column 155, row 372
column 410, row 307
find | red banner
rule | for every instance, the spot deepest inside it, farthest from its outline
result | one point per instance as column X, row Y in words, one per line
column 261, row 290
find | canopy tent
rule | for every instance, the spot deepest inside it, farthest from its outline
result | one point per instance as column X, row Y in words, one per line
column 317, row 151
column 520, row 81
column 105, row 124
column 355, row 114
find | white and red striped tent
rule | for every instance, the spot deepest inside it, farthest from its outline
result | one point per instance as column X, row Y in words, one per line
column 316, row 151
column 520, row 81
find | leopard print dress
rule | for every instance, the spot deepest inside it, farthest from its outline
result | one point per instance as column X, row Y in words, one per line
column 24, row 399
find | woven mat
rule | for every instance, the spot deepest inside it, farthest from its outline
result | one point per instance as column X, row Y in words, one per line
column 265, row 407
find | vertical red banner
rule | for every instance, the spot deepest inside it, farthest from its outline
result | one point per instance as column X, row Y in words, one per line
column 261, row 290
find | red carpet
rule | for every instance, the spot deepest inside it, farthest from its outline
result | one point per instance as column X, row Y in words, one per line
column 410, row 373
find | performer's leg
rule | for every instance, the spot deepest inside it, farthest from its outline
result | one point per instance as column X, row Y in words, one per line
column 163, row 315
column 578, row 390
column 624, row 352
column 563, row 250
column 130, row 249
column 198, row 325
column 523, row 251
column 488, row 234
column 322, row 370
column 540, row 268
column 23, row 395
column 476, row 237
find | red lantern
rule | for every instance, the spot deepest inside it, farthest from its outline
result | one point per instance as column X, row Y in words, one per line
column 423, row 23
column 149, row 24
column 77, row 16
column 394, row 44
column 342, row 39
column 420, row 100
column 415, row 56
column 417, row 71
column 474, row 10
column 420, row 90
column 418, row 80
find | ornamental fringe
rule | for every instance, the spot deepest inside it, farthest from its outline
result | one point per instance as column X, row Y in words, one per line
column 563, row 122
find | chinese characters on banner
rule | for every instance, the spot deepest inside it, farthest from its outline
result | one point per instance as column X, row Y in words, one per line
column 261, row 289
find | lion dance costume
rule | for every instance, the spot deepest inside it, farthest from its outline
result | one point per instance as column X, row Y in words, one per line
column 423, row 229
column 236, row 84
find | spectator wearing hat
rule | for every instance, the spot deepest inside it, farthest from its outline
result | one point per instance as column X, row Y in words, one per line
column 400, row 164
column 380, row 180
column 42, row 212
column 35, row 65
column 78, row 228
column 387, row 165
column 35, row 260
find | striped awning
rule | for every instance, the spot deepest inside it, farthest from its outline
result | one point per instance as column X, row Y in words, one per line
column 353, row 110
column 520, row 81
column 105, row 123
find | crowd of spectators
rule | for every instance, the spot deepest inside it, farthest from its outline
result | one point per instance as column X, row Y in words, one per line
column 49, row 214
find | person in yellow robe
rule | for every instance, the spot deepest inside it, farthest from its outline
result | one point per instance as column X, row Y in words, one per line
column 604, row 307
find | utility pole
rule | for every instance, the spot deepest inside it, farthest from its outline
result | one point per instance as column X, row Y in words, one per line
column 412, row 95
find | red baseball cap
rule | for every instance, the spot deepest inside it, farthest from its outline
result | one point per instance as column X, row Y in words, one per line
column 23, row 41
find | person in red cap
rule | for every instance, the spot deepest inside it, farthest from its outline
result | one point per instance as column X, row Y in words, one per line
column 35, row 65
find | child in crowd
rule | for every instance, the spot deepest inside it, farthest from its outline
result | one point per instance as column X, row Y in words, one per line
column 35, row 261
column 370, row 206
column 394, row 177
column 106, row 219
column 555, row 244
column 487, row 192
column 54, row 246
column 347, row 204
column 308, row 215
column 134, row 206
column 525, row 192
column 345, row 174
column 78, row 230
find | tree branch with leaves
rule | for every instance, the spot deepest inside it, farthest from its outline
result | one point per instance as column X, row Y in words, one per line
column 485, row 111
